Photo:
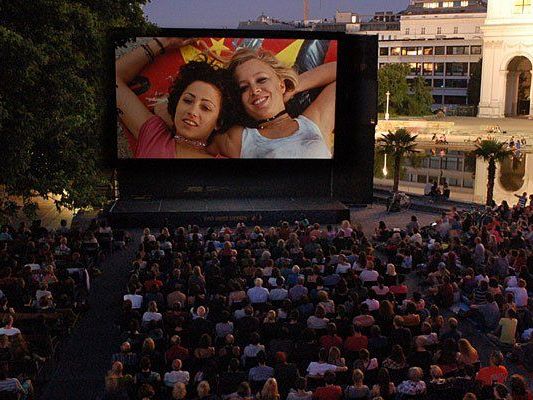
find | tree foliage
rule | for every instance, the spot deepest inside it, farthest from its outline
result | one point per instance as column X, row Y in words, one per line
column 53, row 98
column 421, row 99
column 397, row 145
column 474, row 84
column 492, row 151
column 392, row 78
column 405, row 100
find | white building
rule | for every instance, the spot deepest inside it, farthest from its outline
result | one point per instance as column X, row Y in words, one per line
column 440, row 40
column 506, row 88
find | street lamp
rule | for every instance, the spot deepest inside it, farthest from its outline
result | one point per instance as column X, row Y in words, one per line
column 385, row 172
column 387, row 109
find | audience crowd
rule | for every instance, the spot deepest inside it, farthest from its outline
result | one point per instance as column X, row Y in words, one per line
column 44, row 282
column 309, row 312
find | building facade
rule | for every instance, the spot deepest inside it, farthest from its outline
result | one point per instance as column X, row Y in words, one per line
column 506, row 88
column 440, row 40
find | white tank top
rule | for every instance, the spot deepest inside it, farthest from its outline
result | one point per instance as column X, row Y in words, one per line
column 306, row 142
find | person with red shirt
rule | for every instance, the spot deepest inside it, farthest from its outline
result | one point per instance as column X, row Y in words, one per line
column 330, row 391
column 495, row 372
column 355, row 340
column 331, row 339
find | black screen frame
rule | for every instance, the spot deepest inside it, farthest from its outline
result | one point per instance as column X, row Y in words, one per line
column 347, row 176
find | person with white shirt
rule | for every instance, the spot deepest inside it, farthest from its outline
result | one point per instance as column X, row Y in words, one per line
column 176, row 375
column 9, row 329
column 520, row 293
column 369, row 274
column 136, row 299
column 317, row 369
column 258, row 294
column 343, row 265
column 151, row 314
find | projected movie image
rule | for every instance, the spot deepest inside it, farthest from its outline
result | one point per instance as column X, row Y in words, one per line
column 251, row 98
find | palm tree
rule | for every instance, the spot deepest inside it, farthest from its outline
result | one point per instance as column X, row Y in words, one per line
column 397, row 145
column 491, row 151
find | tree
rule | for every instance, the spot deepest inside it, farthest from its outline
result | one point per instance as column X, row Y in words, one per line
column 53, row 95
column 392, row 78
column 474, row 84
column 414, row 100
column 492, row 152
column 397, row 145
column 419, row 103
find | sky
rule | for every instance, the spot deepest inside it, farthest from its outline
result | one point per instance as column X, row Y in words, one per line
column 228, row 13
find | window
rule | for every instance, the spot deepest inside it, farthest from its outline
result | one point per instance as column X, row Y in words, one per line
column 421, row 178
column 423, row 30
column 478, row 29
column 475, row 49
column 439, row 30
column 437, row 99
column 439, row 69
column 522, row 6
column 456, row 83
column 428, row 51
column 470, row 163
column 415, row 68
column 396, row 51
column 447, row 4
column 439, row 50
column 454, row 99
column 383, row 51
column 452, row 163
column 464, row 3
column 427, row 69
column 434, row 162
column 354, row 19
column 407, row 31
column 468, row 183
column 431, row 5
column 457, row 50
column 429, row 82
column 453, row 181
column 456, row 69
column 455, row 29
column 409, row 51
column 438, row 83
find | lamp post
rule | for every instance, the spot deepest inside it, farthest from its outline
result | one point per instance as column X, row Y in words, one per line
column 387, row 109
column 385, row 172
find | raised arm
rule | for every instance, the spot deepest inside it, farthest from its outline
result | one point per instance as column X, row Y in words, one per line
column 132, row 111
column 315, row 78
column 322, row 111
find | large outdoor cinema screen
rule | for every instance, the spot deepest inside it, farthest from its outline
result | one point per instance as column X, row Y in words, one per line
column 225, row 97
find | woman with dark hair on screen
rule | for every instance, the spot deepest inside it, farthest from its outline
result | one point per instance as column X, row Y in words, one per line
column 198, row 104
column 268, row 131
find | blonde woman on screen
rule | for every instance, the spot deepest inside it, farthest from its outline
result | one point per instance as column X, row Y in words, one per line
column 265, row 84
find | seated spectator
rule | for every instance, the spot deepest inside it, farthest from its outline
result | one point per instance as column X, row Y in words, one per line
column 319, row 369
column 117, row 384
column 384, row 387
column 299, row 392
column 261, row 372
column 8, row 329
column 414, row 386
column 176, row 375
column 357, row 390
column 494, row 372
column 151, row 314
column 330, row 391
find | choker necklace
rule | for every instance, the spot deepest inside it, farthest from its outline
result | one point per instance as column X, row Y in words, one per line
column 261, row 123
column 191, row 142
